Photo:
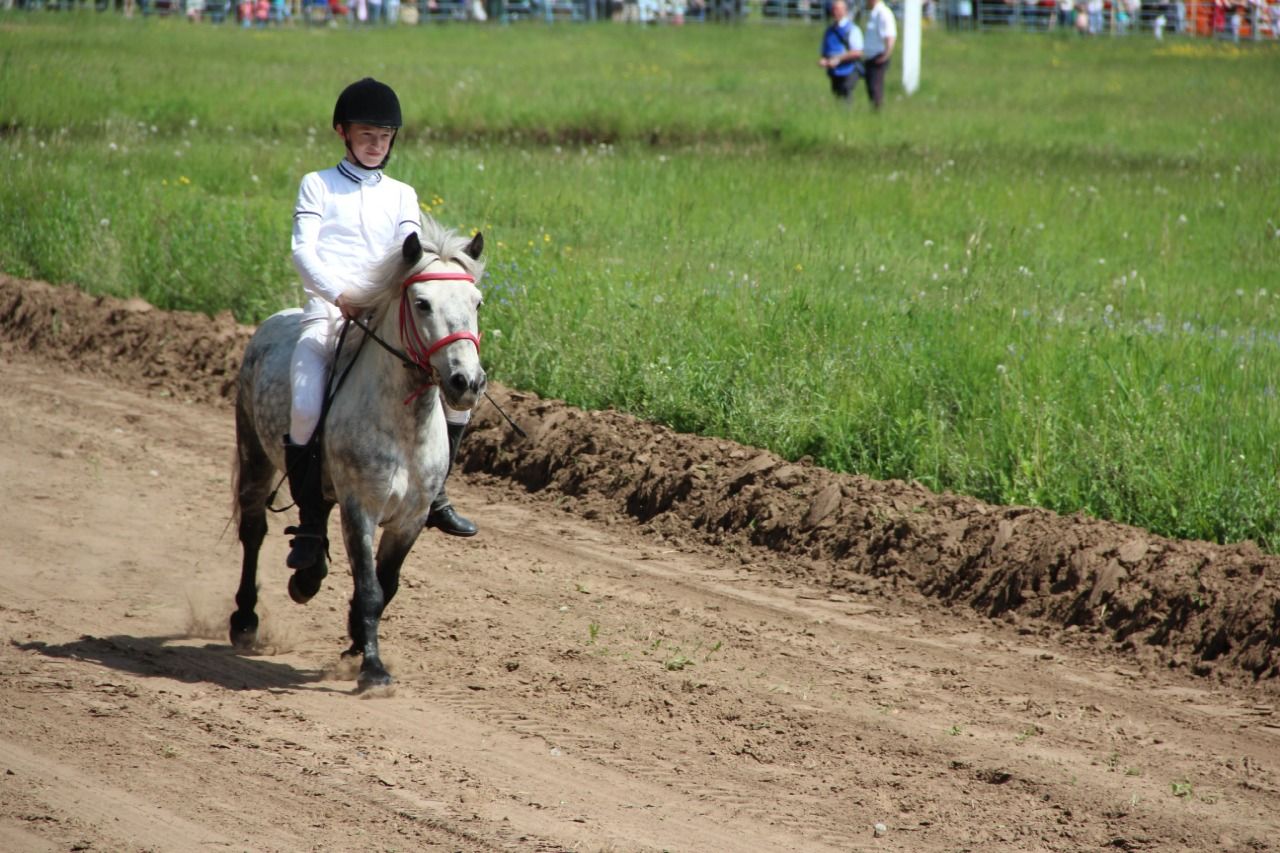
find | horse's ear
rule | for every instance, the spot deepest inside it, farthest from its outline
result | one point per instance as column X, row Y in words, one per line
column 412, row 248
column 475, row 247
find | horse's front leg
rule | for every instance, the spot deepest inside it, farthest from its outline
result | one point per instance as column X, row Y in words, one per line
column 376, row 584
column 367, row 607
column 367, row 600
column 393, row 548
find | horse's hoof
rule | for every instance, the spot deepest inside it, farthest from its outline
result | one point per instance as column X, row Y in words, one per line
column 244, row 630
column 303, row 586
column 378, row 680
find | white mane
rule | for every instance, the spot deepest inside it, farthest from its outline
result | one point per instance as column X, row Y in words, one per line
column 382, row 283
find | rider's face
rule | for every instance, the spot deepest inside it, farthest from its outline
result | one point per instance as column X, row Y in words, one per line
column 367, row 144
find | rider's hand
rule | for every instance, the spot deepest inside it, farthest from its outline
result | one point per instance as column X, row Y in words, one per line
column 348, row 310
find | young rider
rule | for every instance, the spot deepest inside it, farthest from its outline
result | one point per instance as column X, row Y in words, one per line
column 346, row 218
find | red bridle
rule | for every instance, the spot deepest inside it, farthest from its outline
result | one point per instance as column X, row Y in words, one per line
column 418, row 350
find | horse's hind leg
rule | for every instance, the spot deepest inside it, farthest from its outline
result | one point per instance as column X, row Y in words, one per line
column 244, row 621
column 254, row 472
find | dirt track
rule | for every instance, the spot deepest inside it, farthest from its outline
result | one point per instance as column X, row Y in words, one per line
column 657, row 643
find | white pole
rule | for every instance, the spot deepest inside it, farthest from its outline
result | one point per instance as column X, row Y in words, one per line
column 911, row 45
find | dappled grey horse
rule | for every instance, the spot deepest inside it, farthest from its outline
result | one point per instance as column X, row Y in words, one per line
column 383, row 442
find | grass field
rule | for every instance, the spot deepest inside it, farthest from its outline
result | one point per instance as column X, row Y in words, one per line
column 1049, row 277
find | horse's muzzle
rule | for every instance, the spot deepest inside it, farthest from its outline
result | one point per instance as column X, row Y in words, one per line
column 463, row 390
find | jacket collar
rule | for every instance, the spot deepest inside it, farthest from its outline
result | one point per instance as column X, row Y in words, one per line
column 359, row 174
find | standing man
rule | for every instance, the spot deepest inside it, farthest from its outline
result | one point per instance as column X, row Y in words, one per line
column 882, row 33
column 842, row 52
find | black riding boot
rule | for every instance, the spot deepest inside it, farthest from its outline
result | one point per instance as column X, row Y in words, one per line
column 310, row 538
column 443, row 516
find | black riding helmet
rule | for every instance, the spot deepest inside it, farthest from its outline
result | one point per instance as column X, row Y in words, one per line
column 369, row 101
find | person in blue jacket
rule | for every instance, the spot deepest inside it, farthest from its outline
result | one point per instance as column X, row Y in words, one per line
column 842, row 52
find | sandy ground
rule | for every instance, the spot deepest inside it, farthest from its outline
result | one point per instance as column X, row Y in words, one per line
column 614, row 664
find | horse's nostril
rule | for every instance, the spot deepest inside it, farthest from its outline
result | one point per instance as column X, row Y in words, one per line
column 459, row 382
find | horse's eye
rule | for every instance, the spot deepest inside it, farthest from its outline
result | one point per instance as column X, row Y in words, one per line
column 423, row 305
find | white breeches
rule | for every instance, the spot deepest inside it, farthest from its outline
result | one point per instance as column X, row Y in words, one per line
column 309, row 374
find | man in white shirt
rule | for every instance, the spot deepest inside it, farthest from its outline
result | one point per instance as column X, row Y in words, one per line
column 877, row 46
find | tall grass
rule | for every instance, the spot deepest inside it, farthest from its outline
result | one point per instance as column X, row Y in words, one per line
column 1047, row 278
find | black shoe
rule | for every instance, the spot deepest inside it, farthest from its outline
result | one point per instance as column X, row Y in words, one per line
column 310, row 542
column 446, row 519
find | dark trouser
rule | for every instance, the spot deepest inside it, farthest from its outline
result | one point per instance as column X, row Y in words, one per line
column 842, row 87
column 876, row 71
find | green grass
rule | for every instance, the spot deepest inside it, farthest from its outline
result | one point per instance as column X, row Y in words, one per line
column 1047, row 278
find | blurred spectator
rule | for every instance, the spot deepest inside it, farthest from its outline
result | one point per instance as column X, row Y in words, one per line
column 877, row 47
column 1094, row 10
column 1066, row 14
column 1128, row 14
column 842, row 52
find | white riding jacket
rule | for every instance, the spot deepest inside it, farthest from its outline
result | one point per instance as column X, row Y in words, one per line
column 345, row 219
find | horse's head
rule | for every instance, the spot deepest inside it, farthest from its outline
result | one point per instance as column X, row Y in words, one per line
column 438, row 317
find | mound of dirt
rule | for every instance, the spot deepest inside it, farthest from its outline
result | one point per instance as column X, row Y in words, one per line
column 189, row 355
column 1214, row 610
